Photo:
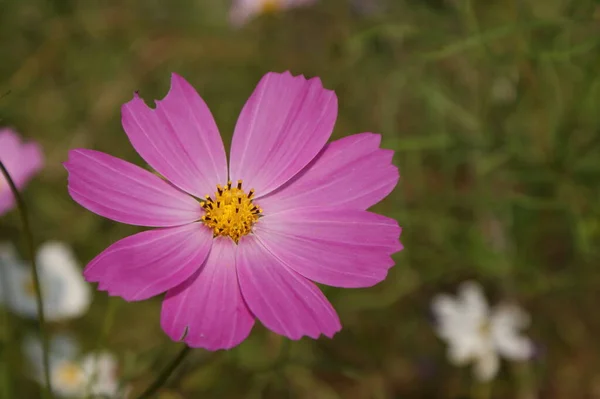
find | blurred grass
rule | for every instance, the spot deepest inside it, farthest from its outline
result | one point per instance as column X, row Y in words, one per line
column 491, row 105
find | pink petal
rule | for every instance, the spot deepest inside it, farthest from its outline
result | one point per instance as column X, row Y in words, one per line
column 352, row 172
column 208, row 309
column 10, row 143
column 22, row 161
column 124, row 192
column 179, row 138
column 284, row 301
column 342, row 248
column 282, row 127
column 149, row 263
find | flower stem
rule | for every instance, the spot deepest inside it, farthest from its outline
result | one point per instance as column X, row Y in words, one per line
column 165, row 374
column 482, row 390
column 36, row 279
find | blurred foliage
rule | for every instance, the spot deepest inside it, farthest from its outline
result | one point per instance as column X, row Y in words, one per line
column 491, row 106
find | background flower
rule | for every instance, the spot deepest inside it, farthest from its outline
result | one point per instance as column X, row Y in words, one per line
column 22, row 160
column 478, row 335
column 66, row 294
column 73, row 375
column 243, row 10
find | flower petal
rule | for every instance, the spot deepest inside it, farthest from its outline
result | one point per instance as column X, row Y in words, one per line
column 242, row 11
column 126, row 193
column 351, row 172
column 179, row 138
column 208, row 309
column 100, row 371
column 66, row 293
column 146, row 264
column 22, row 161
column 473, row 302
column 282, row 127
column 284, row 301
column 341, row 248
column 506, row 321
column 486, row 366
column 448, row 317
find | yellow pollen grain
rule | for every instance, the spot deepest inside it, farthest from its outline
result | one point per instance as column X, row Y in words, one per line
column 270, row 6
column 230, row 212
column 69, row 374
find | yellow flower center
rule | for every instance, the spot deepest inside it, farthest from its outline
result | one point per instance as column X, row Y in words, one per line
column 231, row 213
column 69, row 374
column 270, row 6
column 485, row 329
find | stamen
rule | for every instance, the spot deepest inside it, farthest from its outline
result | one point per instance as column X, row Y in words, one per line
column 234, row 214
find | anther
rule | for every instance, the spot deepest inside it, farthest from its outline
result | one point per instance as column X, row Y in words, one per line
column 234, row 213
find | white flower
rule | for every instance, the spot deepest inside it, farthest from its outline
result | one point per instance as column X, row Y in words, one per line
column 243, row 10
column 66, row 294
column 504, row 88
column 475, row 334
column 73, row 377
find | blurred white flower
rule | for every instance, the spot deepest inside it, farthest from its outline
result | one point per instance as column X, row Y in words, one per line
column 73, row 377
column 479, row 335
column 504, row 88
column 66, row 294
column 243, row 10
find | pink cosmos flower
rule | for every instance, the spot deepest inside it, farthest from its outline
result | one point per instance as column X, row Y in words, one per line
column 244, row 242
column 243, row 10
column 22, row 160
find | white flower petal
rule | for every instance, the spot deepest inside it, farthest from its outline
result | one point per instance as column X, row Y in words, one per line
column 506, row 323
column 486, row 367
column 460, row 353
column 69, row 294
column 101, row 374
column 68, row 378
column 17, row 292
column 514, row 347
column 467, row 347
column 510, row 316
column 473, row 300
column 66, row 294
column 62, row 348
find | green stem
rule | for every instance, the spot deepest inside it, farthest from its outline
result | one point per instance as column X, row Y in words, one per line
column 165, row 374
column 36, row 279
column 482, row 390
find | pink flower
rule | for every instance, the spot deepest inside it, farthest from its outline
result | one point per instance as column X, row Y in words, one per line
column 22, row 160
column 239, row 243
column 243, row 10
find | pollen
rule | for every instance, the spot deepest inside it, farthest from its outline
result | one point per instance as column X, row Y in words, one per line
column 270, row 6
column 69, row 374
column 230, row 212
